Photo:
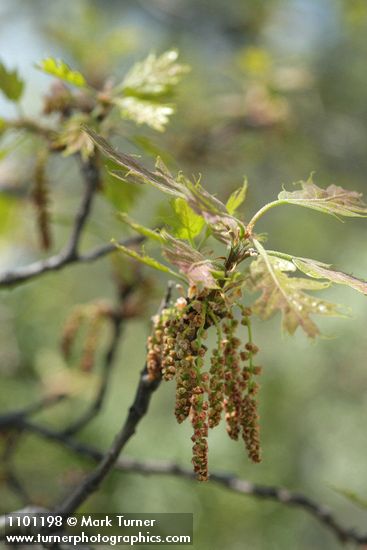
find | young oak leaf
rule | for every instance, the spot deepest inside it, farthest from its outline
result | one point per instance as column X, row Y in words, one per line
column 122, row 197
column 319, row 270
column 224, row 226
column 11, row 84
column 189, row 224
column 147, row 260
column 142, row 111
column 154, row 76
column 143, row 87
column 333, row 200
column 59, row 69
column 283, row 293
column 196, row 268
column 237, row 198
column 144, row 231
column 72, row 138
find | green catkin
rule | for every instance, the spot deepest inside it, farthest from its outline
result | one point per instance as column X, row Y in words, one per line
column 216, row 383
column 232, row 378
column 249, row 414
column 176, row 350
column 92, row 315
column 154, row 351
column 186, row 374
column 198, row 413
column 90, row 343
column 40, row 198
column 199, row 405
column 70, row 331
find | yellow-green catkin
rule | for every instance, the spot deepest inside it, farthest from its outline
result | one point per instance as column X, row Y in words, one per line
column 40, row 199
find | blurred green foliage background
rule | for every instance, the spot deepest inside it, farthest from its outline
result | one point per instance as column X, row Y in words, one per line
column 277, row 90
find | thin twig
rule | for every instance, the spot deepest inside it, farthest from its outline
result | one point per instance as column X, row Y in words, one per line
column 151, row 467
column 13, row 418
column 9, row 475
column 32, row 126
column 91, row 178
column 107, row 461
column 278, row 494
column 70, row 253
column 59, row 261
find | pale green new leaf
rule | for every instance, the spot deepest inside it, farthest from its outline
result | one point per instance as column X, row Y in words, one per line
column 61, row 70
column 319, row 270
column 284, row 293
column 73, row 139
column 143, row 111
column 237, row 198
column 333, row 200
column 154, row 76
column 121, row 196
column 11, row 84
column 189, row 224
column 147, row 260
column 145, row 231
column 224, row 226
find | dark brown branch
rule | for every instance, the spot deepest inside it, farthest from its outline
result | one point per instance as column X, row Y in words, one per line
column 280, row 495
column 13, row 419
column 107, row 461
column 138, row 409
column 91, row 178
column 70, row 254
column 9, row 475
column 59, row 261
column 31, row 125
column 319, row 512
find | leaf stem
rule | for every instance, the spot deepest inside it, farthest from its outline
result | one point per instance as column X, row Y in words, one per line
column 261, row 212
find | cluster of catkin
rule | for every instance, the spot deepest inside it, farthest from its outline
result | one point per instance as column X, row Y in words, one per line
column 176, row 350
column 92, row 316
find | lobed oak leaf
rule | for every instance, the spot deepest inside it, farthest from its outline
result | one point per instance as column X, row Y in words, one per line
column 145, row 259
column 189, row 224
column 237, row 198
column 224, row 226
column 154, row 76
column 142, row 111
column 59, row 69
column 319, row 270
column 11, row 84
column 285, row 293
column 333, row 200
